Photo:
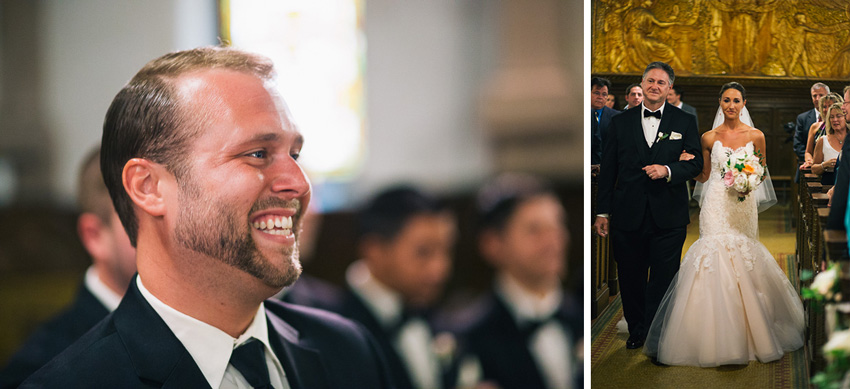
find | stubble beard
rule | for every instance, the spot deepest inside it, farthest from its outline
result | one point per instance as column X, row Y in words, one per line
column 209, row 227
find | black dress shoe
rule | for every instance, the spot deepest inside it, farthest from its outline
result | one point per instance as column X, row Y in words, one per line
column 634, row 342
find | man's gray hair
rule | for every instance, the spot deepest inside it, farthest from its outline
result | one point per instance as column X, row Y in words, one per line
column 819, row 85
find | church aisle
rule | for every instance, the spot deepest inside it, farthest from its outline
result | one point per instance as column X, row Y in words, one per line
column 613, row 366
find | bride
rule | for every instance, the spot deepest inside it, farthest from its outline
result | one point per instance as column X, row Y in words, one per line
column 730, row 302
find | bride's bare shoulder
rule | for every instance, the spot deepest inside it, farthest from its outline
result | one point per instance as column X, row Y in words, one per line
column 708, row 138
column 755, row 134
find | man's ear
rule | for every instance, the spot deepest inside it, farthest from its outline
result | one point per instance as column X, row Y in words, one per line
column 142, row 181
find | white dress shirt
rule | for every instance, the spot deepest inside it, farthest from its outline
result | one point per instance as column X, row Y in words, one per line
column 414, row 340
column 211, row 347
column 101, row 292
column 650, row 124
column 551, row 345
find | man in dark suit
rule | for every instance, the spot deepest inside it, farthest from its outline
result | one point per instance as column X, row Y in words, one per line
column 600, row 116
column 405, row 243
column 199, row 153
column 675, row 99
column 804, row 121
column 838, row 193
column 634, row 96
column 106, row 280
column 642, row 190
column 527, row 332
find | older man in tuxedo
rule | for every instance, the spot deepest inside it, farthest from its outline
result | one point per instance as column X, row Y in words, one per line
column 600, row 116
column 804, row 121
column 642, row 190
column 200, row 155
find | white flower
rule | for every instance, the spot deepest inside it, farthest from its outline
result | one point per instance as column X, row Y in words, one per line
column 741, row 184
column 824, row 281
column 754, row 181
column 840, row 340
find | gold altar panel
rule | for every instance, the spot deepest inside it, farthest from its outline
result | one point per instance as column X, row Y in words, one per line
column 778, row 38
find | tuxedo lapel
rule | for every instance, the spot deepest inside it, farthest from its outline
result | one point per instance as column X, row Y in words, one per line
column 157, row 355
column 663, row 128
column 639, row 138
column 302, row 365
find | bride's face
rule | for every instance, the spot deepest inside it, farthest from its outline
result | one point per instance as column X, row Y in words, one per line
column 731, row 102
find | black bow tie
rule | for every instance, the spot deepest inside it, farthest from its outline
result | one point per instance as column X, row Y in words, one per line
column 657, row 114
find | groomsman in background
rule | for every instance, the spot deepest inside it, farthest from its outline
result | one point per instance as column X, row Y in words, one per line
column 106, row 280
column 675, row 99
column 634, row 96
column 600, row 116
column 405, row 242
column 526, row 332
column 804, row 121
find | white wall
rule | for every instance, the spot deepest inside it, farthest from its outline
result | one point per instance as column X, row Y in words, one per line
column 426, row 62
column 91, row 48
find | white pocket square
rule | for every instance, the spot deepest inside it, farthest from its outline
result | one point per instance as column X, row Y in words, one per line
column 675, row 135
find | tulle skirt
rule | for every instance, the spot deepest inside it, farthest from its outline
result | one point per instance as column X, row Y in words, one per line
column 730, row 304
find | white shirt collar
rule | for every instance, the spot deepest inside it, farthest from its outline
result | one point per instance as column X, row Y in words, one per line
column 681, row 103
column 101, row 292
column 385, row 303
column 210, row 347
column 525, row 305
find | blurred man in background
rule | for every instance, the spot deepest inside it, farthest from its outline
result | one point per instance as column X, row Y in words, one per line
column 528, row 332
column 634, row 96
column 405, row 243
column 675, row 99
column 106, row 280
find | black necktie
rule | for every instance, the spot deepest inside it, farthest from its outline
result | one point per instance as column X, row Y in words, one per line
column 657, row 114
column 250, row 359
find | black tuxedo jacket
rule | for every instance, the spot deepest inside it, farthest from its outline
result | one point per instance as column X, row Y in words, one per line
column 353, row 307
column 801, row 133
column 311, row 292
column 497, row 342
column 691, row 110
column 52, row 337
column 598, row 133
column 134, row 348
column 626, row 192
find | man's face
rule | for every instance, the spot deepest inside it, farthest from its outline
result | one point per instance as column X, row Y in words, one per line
column 635, row 96
column 817, row 93
column 598, row 96
column 846, row 106
column 656, row 86
column 673, row 98
column 418, row 261
column 244, row 193
column 533, row 243
column 122, row 263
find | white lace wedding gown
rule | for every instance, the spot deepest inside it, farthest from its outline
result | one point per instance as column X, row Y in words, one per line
column 730, row 302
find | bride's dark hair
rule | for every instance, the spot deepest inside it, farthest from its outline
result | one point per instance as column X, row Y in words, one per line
column 734, row 85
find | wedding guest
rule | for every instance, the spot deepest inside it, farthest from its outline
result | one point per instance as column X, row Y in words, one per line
column 634, row 96
column 828, row 147
column 611, row 101
column 675, row 99
column 106, row 280
column 405, row 244
column 528, row 329
column 805, row 121
column 600, row 116
column 818, row 129
column 200, row 156
column 838, row 193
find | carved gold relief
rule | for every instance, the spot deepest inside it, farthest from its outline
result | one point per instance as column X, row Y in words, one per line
column 786, row 38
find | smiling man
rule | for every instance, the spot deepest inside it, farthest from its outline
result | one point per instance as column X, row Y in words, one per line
column 200, row 156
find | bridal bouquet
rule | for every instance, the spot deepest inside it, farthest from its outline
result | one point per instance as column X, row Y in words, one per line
column 743, row 172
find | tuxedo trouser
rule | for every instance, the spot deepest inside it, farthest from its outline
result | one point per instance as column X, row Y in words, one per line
column 651, row 251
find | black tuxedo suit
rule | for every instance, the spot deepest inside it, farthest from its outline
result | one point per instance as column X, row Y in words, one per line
column 353, row 307
column 801, row 136
column 496, row 340
column 598, row 132
column 134, row 348
column 648, row 218
column 52, row 337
